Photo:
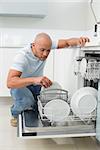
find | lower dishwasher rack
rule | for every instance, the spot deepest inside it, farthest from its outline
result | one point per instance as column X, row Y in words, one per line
column 30, row 126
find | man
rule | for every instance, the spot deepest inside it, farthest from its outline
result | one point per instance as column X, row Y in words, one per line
column 25, row 77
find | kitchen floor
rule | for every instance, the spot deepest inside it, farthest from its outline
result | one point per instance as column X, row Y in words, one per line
column 10, row 141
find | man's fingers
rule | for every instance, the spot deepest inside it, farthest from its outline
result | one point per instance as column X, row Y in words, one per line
column 83, row 40
column 46, row 82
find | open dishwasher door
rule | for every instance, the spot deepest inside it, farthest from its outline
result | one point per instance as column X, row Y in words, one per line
column 31, row 126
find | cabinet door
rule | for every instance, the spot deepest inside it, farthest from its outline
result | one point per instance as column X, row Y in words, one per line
column 7, row 55
column 0, row 71
column 64, row 69
column 49, row 66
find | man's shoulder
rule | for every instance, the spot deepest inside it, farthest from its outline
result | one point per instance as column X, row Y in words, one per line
column 25, row 50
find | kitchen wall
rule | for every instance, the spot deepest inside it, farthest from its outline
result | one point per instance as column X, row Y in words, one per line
column 91, row 19
column 61, row 14
column 66, row 15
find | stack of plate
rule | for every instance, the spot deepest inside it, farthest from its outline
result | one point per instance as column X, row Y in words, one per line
column 55, row 85
column 57, row 110
column 52, row 91
column 84, row 102
column 83, row 67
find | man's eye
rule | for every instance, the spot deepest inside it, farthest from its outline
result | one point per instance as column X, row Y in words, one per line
column 42, row 50
column 48, row 50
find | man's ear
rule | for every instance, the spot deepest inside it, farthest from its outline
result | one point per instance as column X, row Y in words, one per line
column 33, row 43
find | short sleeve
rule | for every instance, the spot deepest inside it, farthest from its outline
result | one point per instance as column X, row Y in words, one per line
column 54, row 44
column 19, row 63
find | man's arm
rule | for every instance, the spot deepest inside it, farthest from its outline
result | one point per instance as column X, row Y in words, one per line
column 62, row 43
column 14, row 80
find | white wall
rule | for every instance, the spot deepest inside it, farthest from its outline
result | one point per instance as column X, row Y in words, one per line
column 66, row 15
column 91, row 20
column 62, row 14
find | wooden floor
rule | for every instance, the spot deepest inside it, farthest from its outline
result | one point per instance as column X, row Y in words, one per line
column 10, row 141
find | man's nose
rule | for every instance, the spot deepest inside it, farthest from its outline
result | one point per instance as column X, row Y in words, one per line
column 45, row 53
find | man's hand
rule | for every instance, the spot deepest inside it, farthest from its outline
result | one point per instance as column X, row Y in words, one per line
column 77, row 41
column 62, row 43
column 43, row 81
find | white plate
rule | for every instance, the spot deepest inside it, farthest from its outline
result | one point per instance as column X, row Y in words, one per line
column 83, row 66
column 54, row 85
column 84, row 102
column 56, row 110
column 52, row 90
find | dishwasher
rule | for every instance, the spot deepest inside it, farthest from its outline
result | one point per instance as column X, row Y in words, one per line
column 32, row 125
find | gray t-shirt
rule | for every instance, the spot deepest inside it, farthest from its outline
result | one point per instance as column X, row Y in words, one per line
column 28, row 64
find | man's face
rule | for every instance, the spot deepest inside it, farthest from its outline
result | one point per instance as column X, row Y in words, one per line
column 41, row 50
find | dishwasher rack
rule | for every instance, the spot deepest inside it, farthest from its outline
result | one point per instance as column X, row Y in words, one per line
column 92, row 69
column 48, row 95
column 34, row 126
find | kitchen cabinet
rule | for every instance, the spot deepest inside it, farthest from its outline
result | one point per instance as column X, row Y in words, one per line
column 7, row 55
column 59, row 67
column 35, row 10
column 64, row 68
column 49, row 66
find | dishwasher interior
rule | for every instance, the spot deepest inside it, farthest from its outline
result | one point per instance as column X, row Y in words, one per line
column 36, row 125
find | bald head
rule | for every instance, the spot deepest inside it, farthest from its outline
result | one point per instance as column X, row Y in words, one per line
column 41, row 46
column 43, row 37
